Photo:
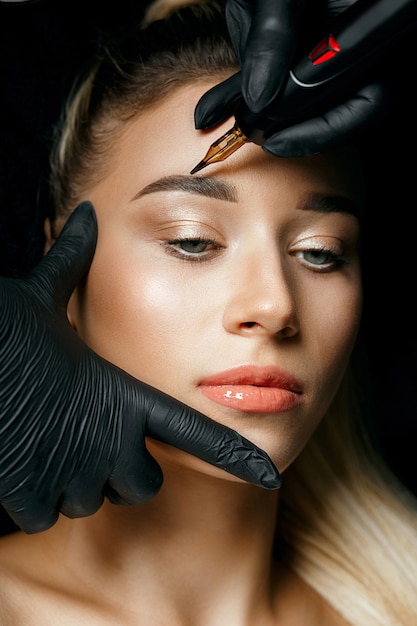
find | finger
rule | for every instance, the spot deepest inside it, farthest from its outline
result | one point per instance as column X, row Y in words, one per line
column 269, row 52
column 83, row 497
column 137, row 477
column 334, row 7
column 33, row 516
column 340, row 124
column 218, row 103
column 178, row 425
column 69, row 259
column 238, row 18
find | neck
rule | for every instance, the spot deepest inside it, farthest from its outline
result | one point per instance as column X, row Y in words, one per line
column 202, row 537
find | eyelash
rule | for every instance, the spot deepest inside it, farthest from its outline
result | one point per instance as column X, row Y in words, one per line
column 196, row 257
column 335, row 260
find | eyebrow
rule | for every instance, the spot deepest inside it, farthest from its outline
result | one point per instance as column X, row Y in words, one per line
column 327, row 203
column 209, row 187
column 221, row 190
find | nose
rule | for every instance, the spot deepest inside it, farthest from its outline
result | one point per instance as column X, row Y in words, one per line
column 262, row 298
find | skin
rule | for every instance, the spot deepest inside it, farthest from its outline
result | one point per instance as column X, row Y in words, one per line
column 141, row 300
column 265, row 290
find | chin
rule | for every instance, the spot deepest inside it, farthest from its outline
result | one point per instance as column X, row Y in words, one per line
column 176, row 461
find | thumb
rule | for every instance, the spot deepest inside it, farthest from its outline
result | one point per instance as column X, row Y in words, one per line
column 69, row 259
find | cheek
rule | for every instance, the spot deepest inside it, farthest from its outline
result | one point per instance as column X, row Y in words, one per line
column 328, row 337
column 333, row 334
column 342, row 321
column 139, row 315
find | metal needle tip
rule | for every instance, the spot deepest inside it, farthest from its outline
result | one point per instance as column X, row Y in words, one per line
column 198, row 167
column 222, row 148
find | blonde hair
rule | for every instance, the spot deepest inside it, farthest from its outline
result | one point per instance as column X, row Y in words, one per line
column 162, row 9
column 131, row 72
column 346, row 526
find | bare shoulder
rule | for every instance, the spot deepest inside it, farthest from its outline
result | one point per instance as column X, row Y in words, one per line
column 35, row 589
column 13, row 594
column 17, row 597
column 26, row 596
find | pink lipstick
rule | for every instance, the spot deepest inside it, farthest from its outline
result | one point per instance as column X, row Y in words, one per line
column 253, row 389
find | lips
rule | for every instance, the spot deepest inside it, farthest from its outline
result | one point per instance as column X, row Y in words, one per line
column 253, row 389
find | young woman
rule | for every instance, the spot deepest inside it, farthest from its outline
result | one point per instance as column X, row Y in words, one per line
column 240, row 288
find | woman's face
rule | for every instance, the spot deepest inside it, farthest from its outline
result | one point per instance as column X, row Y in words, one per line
column 236, row 290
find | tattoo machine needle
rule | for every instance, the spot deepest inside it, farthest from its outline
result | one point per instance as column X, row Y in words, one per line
column 330, row 70
column 222, row 148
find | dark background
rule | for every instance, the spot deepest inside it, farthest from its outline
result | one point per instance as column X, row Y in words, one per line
column 44, row 44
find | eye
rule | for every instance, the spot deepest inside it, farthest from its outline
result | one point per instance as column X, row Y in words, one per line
column 193, row 246
column 321, row 259
column 192, row 249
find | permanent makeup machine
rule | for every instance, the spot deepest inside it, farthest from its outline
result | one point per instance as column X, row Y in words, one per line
column 325, row 74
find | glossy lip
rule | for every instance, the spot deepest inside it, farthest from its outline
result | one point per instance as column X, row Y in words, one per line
column 253, row 389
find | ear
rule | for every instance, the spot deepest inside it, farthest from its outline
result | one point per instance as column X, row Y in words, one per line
column 73, row 301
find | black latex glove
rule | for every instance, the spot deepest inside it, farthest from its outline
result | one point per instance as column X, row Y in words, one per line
column 266, row 36
column 72, row 425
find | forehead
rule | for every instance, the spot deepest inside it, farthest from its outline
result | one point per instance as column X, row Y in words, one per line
column 162, row 141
